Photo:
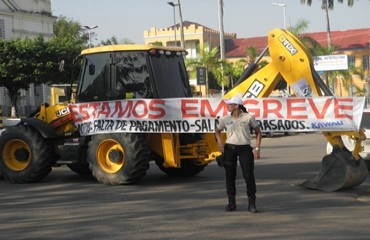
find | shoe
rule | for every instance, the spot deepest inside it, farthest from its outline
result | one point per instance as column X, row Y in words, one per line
column 231, row 206
column 252, row 205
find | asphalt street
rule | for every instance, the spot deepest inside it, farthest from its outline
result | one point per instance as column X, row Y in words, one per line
column 68, row 206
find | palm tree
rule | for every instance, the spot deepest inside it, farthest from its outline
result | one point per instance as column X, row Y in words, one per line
column 341, row 78
column 349, row 86
column 327, row 5
column 207, row 58
column 298, row 29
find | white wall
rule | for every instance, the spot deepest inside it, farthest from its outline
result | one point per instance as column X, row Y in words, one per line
column 25, row 18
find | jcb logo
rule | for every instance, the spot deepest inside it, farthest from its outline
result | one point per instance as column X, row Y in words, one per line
column 62, row 112
column 288, row 45
column 255, row 89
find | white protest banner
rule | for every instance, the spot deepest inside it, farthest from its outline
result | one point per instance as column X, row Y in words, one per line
column 201, row 115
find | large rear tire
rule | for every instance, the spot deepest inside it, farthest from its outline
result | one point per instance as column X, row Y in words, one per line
column 367, row 162
column 118, row 158
column 25, row 155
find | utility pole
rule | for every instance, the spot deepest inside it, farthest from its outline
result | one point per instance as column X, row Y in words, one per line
column 88, row 29
column 222, row 40
column 181, row 26
column 174, row 19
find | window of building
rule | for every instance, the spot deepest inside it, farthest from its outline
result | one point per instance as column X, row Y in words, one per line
column 365, row 62
column 351, row 61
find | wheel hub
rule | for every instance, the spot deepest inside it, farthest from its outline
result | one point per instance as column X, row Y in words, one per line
column 21, row 154
column 115, row 156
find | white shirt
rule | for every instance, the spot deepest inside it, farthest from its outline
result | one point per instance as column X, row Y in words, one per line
column 238, row 129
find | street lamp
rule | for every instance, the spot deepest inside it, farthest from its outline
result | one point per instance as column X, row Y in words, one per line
column 174, row 18
column 283, row 5
column 89, row 28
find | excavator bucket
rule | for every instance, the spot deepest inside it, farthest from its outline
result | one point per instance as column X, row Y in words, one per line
column 338, row 171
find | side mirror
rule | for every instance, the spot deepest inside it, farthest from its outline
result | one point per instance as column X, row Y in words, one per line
column 91, row 69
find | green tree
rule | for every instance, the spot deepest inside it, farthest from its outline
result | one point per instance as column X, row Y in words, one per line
column 327, row 5
column 298, row 31
column 61, row 50
column 234, row 70
column 344, row 79
column 68, row 41
column 340, row 78
column 113, row 41
column 208, row 58
column 68, row 28
column 25, row 61
column 18, row 66
column 251, row 54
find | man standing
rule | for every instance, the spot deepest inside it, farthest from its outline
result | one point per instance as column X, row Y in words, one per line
column 238, row 127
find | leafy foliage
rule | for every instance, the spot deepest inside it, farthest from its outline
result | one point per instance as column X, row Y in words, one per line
column 25, row 61
column 208, row 58
column 114, row 41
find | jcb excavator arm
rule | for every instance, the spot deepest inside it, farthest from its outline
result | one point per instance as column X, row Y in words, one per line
column 290, row 60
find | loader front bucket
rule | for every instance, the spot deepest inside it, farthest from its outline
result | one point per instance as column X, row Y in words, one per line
column 338, row 171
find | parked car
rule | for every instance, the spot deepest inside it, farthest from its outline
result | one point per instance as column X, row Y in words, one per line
column 349, row 143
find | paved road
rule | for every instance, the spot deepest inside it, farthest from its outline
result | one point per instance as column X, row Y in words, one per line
column 68, row 206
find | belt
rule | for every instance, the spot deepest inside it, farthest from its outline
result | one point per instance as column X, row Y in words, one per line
column 233, row 146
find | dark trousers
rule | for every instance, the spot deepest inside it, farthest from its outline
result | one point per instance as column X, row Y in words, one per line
column 246, row 161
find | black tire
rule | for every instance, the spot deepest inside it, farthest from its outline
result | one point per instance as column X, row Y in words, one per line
column 25, row 155
column 367, row 162
column 188, row 168
column 80, row 168
column 118, row 158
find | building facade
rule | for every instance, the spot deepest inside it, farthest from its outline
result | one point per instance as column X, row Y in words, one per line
column 19, row 19
column 195, row 36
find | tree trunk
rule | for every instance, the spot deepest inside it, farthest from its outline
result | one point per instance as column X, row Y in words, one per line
column 13, row 99
column 13, row 112
column 222, row 41
column 327, row 25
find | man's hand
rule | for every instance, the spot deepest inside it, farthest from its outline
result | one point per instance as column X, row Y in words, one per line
column 257, row 154
column 220, row 146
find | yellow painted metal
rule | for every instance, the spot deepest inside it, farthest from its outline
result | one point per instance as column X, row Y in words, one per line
column 171, row 149
column 58, row 116
column 268, row 76
column 291, row 61
column 102, row 156
column 58, row 93
column 335, row 139
column 167, row 146
column 212, row 146
column 127, row 47
column 155, row 143
column 10, row 157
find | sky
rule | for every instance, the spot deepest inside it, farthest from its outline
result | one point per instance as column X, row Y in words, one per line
column 128, row 19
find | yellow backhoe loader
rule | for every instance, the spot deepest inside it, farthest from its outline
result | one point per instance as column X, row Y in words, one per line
column 49, row 137
column 291, row 61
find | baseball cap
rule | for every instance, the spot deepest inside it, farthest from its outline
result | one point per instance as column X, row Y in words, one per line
column 234, row 100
